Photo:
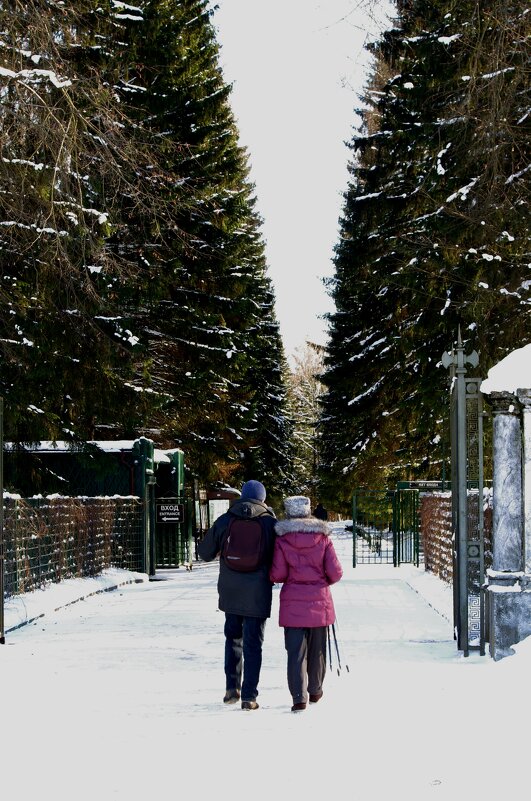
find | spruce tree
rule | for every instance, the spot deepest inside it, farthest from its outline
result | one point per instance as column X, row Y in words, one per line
column 306, row 392
column 136, row 271
column 433, row 236
column 64, row 152
column 204, row 306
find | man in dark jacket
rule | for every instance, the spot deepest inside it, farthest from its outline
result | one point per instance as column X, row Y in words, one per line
column 320, row 512
column 244, row 597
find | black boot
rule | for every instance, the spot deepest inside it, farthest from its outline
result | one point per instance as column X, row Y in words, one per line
column 298, row 707
column 231, row 696
column 249, row 705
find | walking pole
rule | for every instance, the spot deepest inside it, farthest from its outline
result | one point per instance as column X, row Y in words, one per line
column 329, row 646
column 337, row 651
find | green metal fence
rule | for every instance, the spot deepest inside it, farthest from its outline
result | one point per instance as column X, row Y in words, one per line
column 385, row 527
column 372, row 520
column 52, row 537
column 47, row 540
column 407, row 527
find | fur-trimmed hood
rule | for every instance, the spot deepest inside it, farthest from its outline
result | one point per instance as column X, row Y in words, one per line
column 303, row 525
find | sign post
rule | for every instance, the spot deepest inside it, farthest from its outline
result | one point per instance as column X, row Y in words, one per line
column 2, row 545
column 169, row 511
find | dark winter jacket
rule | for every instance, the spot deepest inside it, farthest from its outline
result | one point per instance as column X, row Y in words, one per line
column 305, row 562
column 247, row 594
column 320, row 512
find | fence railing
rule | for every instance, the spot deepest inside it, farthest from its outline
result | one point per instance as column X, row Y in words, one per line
column 435, row 510
column 49, row 539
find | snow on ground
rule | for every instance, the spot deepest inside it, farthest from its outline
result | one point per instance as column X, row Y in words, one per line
column 118, row 696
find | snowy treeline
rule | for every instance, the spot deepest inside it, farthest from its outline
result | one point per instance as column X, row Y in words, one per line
column 434, row 234
column 134, row 292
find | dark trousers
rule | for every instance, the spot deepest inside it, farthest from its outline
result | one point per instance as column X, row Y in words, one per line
column 243, row 653
column 306, row 661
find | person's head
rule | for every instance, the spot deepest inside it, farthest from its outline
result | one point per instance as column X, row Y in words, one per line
column 297, row 506
column 253, row 491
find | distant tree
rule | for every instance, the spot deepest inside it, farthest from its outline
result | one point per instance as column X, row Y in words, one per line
column 267, row 439
column 306, row 389
column 433, row 236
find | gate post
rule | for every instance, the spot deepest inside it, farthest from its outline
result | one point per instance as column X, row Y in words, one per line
column 509, row 580
column 524, row 396
column 467, row 515
column 143, row 450
column 2, row 541
column 354, row 516
column 507, row 534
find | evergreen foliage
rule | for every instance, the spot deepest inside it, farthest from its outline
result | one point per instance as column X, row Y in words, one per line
column 207, row 310
column 306, row 390
column 141, row 303
column 434, row 235
column 267, row 437
column 61, row 180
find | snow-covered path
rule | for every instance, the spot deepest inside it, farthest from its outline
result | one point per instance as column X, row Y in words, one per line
column 119, row 697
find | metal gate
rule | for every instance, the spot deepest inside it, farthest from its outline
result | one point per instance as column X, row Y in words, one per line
column 2, row 544
column 173, row 532
column 385, row 526
column 407, row 526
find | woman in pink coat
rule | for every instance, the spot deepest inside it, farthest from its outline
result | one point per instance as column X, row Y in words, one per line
column 305, row 561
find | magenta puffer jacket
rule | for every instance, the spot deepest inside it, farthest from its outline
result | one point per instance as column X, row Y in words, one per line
column 305, row 561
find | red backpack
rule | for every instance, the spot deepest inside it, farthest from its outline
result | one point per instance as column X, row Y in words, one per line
column 245, row 545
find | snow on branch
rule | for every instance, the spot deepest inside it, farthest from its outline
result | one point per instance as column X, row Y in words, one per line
column 37, row 76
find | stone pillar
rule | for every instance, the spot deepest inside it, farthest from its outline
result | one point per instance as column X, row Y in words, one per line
column 507, row 522
column 524, row 396
column 509, row 588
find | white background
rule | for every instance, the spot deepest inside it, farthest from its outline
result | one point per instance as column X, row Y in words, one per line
column 297, row 67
